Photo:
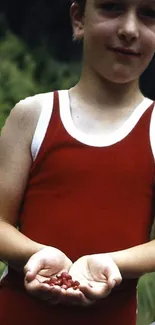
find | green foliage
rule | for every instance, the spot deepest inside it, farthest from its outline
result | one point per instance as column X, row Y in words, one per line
column 16, row 74
column 53, row 75
column 2, row 267
column 146, row 299
column 23, row 73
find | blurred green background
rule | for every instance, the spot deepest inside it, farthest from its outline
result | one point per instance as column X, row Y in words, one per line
column 26, row 70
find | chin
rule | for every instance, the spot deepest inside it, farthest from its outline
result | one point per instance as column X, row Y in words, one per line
column 121, row 75
column 121, row 78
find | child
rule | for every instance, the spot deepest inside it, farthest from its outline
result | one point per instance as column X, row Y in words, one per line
column 77, row 177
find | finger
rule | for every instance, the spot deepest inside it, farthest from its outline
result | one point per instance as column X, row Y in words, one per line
column 86, row 302
column 59, row 296
column 114, row 277
column 44, row 291
column 113, row 274
column 55, row 297
column 72, row 296
column 39, row 290
column 114, row 280
column 76, row 297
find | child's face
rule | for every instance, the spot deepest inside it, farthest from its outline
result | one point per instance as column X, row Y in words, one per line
column 111, row 26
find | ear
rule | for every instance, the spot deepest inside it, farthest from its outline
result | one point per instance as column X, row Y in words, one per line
column 77, row 19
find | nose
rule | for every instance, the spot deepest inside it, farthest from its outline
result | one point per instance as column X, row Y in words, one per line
column 128, row 30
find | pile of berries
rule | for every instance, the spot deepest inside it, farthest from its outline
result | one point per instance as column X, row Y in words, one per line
column 64, row 280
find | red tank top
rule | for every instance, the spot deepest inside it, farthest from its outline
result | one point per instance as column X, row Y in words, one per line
column 85, row 200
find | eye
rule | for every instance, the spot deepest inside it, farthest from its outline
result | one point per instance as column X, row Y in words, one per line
column 111, row 7
column 148, row 13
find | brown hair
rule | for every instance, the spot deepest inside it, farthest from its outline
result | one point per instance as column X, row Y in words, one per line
column 81, row 4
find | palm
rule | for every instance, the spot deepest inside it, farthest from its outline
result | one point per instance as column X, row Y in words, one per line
column 47, row 273
column 96, row 274
column 52, row 267
column 41, row 267
column 89, row 270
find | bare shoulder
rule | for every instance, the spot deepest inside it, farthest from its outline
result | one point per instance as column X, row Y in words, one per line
column 20, row 125
column 33, row 105
column 25, row 115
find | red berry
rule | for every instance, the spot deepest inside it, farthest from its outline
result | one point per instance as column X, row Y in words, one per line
column 64, row 281
column 60, row 282
column 75, row 287
column 66, row 275
column 76, row 283
column 53, row 281
column 69, row 284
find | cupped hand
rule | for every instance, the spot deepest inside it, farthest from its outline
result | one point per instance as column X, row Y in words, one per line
column 98, row 274
column 41, row 266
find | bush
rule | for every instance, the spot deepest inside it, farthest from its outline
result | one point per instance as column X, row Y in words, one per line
column 23, row 73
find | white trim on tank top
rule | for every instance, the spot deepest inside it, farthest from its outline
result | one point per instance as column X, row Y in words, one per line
column 42, row 125
column 99, row 140
column 88, row 139
column 152, row 132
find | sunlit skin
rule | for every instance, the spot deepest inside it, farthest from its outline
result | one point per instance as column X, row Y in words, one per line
column 95, row 273
column 104, row 26
column 128, row 24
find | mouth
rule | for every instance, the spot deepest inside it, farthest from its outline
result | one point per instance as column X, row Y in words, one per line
column 125, row 52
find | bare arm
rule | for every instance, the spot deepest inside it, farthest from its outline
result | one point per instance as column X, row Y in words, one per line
column 15, row 164
column 136, row 261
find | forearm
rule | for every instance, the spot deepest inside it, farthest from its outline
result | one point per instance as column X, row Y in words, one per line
column 135, row 261
column 15, row 248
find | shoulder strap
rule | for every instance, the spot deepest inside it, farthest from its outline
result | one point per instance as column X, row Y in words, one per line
column 42, row 125
column 152, row 131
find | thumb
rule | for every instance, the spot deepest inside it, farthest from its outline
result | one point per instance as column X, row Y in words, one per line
column 111, row 282
column 114, row 279
column 113, row 275
column 33, row 266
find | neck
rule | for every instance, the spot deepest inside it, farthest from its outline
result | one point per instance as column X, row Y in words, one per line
column 99, row 92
